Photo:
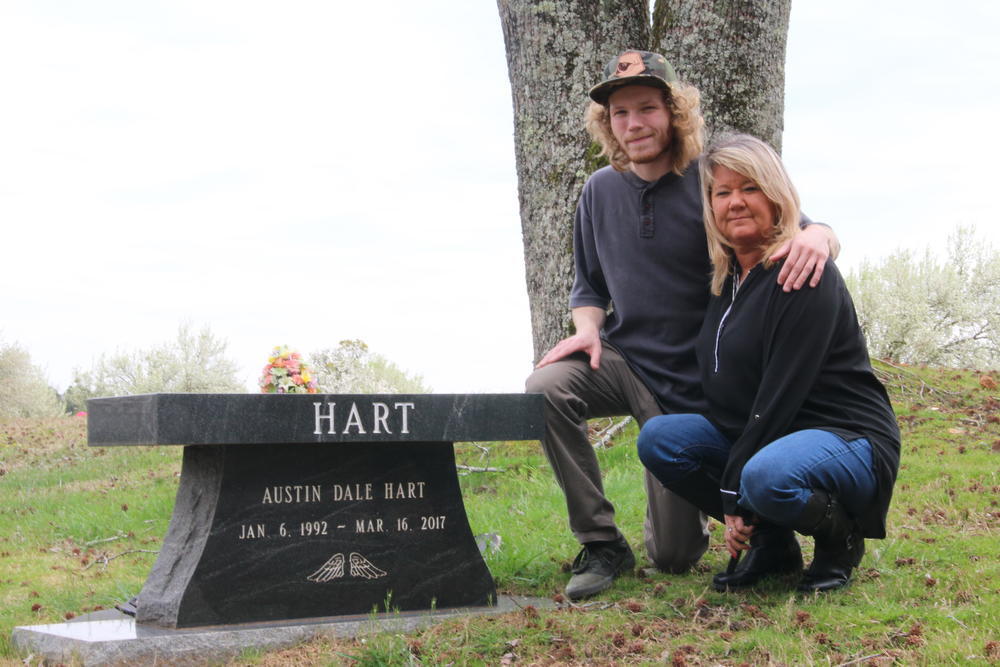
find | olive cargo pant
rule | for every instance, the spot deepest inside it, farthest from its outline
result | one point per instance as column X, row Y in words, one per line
column 675, row 531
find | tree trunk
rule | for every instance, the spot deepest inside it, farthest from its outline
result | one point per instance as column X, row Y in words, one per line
column 734, row 53
column 556, row 50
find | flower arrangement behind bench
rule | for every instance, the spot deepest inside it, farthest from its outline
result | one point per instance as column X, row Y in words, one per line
column 286, row 373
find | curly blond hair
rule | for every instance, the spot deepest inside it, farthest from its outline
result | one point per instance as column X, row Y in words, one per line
column 683, row 101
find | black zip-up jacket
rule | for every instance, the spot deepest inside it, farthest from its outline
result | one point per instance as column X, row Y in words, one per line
column 775, row 362
column 641, row 247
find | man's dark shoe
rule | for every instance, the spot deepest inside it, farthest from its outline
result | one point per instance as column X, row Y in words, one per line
column 596, row 567
column 773, row 551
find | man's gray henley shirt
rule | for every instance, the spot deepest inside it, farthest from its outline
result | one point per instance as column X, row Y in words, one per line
column 640, row 249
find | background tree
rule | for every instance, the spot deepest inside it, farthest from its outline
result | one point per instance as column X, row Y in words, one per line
column 733, row 51
column 352, row 369
column 922, row 309
column 24, row 391
column 191, row 363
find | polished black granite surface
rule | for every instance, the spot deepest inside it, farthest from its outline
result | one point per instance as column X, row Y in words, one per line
column 304, row 506
column 208, row 419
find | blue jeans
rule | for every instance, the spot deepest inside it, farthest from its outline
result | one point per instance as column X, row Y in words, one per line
column 778, row 480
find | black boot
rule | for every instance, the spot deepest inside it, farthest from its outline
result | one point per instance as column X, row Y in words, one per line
column 773, row 550
column 839, row 543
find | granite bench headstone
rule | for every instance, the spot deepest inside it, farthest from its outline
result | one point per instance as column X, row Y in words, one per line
column 306, row 506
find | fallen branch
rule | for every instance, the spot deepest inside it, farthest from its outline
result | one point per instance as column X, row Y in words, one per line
column 485, row 453
column 478, row 469
column 900, row 376
column 596, row 605
column 862, row 659
column 106, row 539
column 105, row 560
column 610, row 432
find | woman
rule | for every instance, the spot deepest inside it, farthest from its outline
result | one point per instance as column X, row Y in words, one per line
column 800, row 435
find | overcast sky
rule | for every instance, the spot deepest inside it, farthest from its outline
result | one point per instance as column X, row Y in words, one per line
column 281, row 174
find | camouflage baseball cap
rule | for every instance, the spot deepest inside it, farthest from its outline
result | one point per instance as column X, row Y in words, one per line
column 642, row 67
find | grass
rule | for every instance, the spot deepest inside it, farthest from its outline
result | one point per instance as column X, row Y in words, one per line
column 78, row 525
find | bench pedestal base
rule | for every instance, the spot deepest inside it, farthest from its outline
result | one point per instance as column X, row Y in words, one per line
column 280, row 532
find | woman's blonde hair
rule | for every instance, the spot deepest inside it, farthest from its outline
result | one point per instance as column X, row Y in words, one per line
column 685, row 117
column 754, row 159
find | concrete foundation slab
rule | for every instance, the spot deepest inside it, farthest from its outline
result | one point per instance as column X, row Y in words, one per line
column 112, row 638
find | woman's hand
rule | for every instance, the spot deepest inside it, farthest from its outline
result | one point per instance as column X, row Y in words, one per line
column 737, row 535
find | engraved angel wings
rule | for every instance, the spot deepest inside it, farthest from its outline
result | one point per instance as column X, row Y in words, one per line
column 333, row 568
column 362, row 567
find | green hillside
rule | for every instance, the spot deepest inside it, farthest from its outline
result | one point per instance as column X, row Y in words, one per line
column 80, row 526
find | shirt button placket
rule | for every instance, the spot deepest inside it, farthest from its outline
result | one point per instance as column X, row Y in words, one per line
column 646, row 226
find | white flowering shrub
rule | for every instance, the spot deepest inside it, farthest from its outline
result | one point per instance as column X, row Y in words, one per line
column 921, row 310
column 351, row 368
column 192, row 363
column 24, row 391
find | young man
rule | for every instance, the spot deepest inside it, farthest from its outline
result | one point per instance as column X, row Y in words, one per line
column 641, row 288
